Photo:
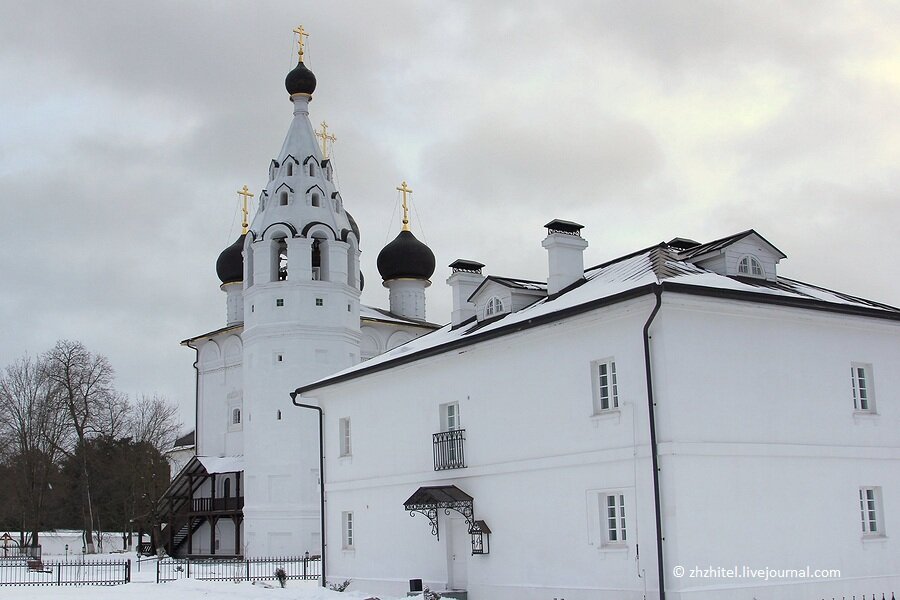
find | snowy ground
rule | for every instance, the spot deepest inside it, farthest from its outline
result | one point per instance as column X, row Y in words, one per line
column 143, row 584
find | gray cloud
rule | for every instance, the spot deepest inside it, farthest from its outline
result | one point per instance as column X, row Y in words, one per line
column 130, row 126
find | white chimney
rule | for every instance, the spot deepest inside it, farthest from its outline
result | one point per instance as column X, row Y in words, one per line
column 463, row 282
column 565, row 251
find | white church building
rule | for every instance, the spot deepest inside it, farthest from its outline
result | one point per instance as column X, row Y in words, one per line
column 674, row 423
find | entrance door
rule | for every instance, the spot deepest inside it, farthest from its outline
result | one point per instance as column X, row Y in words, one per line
column 459, row 548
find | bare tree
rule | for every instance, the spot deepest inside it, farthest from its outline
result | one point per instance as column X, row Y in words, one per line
column 33, row 427
column 112, row 418
column 154, row 419
column 83, row 383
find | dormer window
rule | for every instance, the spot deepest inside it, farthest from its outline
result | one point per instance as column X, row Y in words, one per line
column 749, row 265
column 494, row 307
column 290, row 168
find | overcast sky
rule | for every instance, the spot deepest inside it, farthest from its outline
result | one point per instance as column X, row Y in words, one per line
column 126, row 128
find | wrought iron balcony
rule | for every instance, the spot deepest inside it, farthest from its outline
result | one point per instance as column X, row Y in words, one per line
column 449, row 450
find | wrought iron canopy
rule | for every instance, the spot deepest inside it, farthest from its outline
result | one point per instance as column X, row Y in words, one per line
column 429, row 500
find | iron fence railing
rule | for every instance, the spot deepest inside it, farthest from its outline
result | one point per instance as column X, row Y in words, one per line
column 20, row 552
column 239, row 569
column 37, row 572
column 449, row 449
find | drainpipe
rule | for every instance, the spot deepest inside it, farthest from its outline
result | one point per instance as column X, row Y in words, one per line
column 657, row 290
column 321, row 473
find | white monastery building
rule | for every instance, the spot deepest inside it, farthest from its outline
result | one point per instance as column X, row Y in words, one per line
column 662, row 425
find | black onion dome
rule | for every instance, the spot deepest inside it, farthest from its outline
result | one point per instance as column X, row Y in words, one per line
column 230, row 265
column 300, row 81
column 353, row 226
column 406, row 257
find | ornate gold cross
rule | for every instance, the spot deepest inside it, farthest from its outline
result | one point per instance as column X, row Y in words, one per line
column 325, row 137
column 406, row 190
column 300, row 33
column 246, row 195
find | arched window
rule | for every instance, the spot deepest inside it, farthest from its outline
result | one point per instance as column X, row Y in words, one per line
column 290, row 168
column 235, row 416
column 494, row 306
column 316, row 259
column 750, row 265
column 312, row 169
column 283, row 199
column 279, row 259
column 226, row 488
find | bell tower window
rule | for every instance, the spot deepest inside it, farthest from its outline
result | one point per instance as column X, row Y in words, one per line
column 312, row 170
column 290, row 168
column 315, row 199
column 279, row 259
column 283, row 199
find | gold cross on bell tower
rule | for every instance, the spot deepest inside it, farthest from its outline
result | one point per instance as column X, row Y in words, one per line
column 325, row 137
column 300, row 33
column 246, row 195
column 405, row 189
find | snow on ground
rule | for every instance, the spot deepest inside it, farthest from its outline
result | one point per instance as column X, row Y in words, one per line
column 143, row 584
column 183, row 589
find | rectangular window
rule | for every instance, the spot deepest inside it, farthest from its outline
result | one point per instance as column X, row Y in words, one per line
column 345, row 436
column 606, row 386
column 279, row 302
column 319, row 302
column 450, row 416
column 613, row 514
column 861, row 382
column 870, row 511
column 347, row 530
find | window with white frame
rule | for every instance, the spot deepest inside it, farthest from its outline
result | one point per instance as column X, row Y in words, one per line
column 606, row 386
column 347, row 530
column 861, row 382
column 344, row 427
column 612, row 512
column 450, row 416
column 870, row 511
column 494, row 307
column 750, row 265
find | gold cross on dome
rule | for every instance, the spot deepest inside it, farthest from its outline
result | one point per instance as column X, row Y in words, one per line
column 405, row 190
column 325, row 137
column 246, row 195
column 300, row 33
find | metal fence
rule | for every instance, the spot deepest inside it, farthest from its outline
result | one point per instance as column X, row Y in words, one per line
column 881, row 596
column 239, row 569
column 37, row 572
column 20, row 552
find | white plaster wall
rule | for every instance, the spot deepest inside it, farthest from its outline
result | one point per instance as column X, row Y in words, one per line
column 219, row 387
column 535, row 456
column 762, row 453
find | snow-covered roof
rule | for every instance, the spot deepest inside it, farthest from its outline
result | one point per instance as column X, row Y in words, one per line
column 379, row 314
column 222, row 464
column 618, row 280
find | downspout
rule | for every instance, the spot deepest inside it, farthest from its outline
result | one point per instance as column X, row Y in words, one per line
column 321, row 473
column 657, row 290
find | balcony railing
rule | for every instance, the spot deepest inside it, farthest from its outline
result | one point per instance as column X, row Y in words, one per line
column 217, row 504
column 449, row 450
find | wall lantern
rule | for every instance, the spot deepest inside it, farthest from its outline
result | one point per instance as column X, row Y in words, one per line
column 481, row 538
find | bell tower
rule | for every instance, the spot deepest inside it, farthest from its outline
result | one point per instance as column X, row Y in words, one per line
column 301, row 292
